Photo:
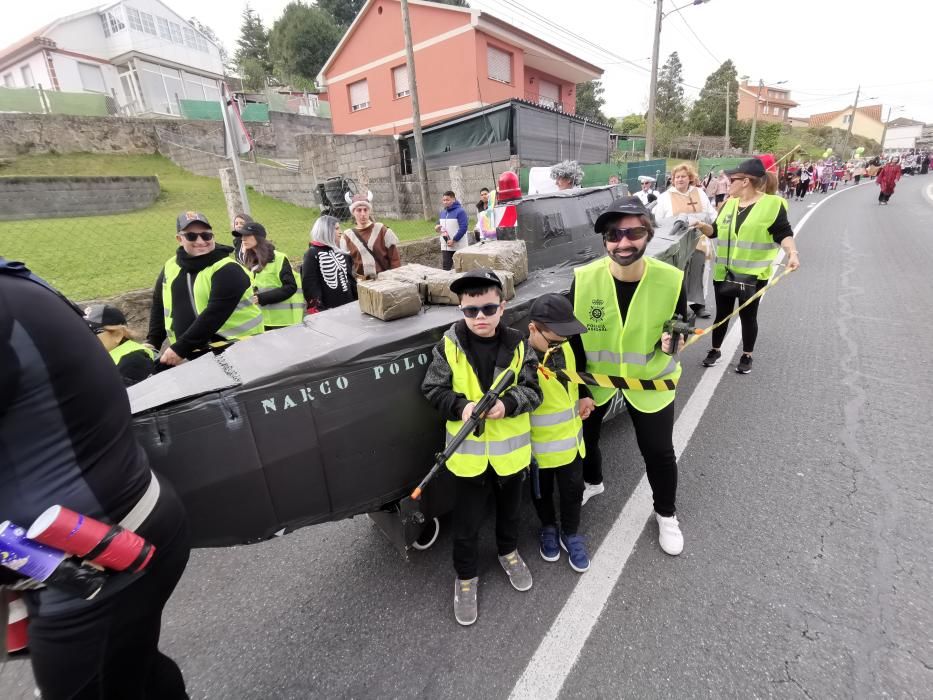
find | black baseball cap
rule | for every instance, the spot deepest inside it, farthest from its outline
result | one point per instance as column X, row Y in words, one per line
column 189, row 217
column 100, row 315
column 623, row 206
column 253, row 228
column 556, row 312
column 475, row 279
column 751, row 167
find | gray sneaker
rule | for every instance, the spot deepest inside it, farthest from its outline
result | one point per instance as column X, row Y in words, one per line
column 465, row 609
column 515, row 567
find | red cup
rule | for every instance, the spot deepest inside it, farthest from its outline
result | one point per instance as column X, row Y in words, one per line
column 17, row 638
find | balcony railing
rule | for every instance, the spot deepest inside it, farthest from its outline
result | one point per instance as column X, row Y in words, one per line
column 544, row 101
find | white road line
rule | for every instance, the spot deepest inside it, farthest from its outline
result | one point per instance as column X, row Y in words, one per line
column 552, row 662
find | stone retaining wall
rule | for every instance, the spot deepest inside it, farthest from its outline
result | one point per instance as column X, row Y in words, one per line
column 51, row 197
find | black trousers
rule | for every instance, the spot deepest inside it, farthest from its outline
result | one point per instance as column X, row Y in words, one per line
column 725, row 305
column 882, row 197
column 471, row 496
column 448, row 259
column 654, row 433
column 569, row 480
column 802, row 188
column 110, row 650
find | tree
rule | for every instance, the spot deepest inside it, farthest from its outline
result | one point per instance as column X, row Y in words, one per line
column 670, row 107
column 590, row 100
column 343, row 11
column 209, row 33
column 251, row 58
column 708, row 116
column 631, row 124
column 301, row 41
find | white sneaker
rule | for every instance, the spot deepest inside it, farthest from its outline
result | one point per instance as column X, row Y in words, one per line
column 590, row 490
column 669, row 535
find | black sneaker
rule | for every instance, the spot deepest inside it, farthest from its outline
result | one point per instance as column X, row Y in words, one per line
column 712, row 357
column 745, row 365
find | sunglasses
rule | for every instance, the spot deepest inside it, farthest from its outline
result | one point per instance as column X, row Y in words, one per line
column 487, row 309
column 736, row 179
column 204, row 236
column 98, row 331
column 636, row 233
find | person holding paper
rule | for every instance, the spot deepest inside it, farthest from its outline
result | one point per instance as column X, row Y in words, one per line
column 452, row 228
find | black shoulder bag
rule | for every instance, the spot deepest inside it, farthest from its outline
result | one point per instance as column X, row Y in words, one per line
column 735, row 284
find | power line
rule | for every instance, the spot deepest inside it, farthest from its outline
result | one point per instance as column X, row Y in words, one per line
column 687, row 24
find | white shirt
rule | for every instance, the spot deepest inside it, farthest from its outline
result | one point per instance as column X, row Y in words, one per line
column 643, row 196
column 664, row 209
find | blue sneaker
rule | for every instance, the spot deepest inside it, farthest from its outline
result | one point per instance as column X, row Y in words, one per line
column 550, row 550
column 576, row 552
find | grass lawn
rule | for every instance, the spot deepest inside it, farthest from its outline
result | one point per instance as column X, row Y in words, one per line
column 98, row 256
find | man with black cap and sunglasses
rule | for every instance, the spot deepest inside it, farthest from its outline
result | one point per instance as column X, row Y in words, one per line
column 624, row 301
column 471, row 357
column 202, row 295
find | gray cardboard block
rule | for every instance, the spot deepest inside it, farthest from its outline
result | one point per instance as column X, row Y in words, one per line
column 495, row 255
column 388, row 299
column 508, row 283
column 433, row 284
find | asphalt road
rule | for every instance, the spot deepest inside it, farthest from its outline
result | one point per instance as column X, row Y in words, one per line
column 805, row 499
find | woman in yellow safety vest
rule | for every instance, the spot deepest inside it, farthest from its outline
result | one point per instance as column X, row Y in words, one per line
column 751, row 228
column 274, row 285
column 134, row 360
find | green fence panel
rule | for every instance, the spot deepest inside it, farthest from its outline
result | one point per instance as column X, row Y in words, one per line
column 255, row 112
column 597, row 174
column 716, row 164
column 82, row 104
column 631, row 146
column 323, row 110
column 20, row 100
column 206, row 110
column 656, row 168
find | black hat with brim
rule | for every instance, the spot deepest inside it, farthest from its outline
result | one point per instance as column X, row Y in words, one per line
column 187, row 218
column 253, row 228
column 751, row 167
column 101, row 315
column 556, row 312
column 623, row 206
column 475, row 279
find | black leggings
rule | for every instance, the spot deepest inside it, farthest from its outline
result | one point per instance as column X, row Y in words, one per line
column 654, row 433
column 749, row 315
column 802, row 188
column 569, row 480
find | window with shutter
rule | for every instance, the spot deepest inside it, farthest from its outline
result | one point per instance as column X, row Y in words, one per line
column 548, row 94
column 499, row 64
column 400, row 80
column 92, row 79
column 359, row 95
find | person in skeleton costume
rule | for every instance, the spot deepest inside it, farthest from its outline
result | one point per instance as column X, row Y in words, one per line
column 327, row 272
column 567, row 174
column 372, row 245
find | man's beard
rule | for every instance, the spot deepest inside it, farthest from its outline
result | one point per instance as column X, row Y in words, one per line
column 627, row 260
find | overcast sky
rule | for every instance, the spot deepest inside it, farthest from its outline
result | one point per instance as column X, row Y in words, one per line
column 823, row 48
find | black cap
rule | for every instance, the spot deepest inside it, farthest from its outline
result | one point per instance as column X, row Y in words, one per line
column 751, row 167
column 189, row 217
column 556, row 312
column 621, row 207
column 100, row 315
column 253, row 228
column 475, row 279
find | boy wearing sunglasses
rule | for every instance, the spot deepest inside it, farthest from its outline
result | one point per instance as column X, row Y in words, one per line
column 624, row 300
column 202, row 295
column 557, row 431
column 467, row 362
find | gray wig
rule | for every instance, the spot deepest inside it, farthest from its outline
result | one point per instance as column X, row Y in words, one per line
column 323, row 231
column 569, row 169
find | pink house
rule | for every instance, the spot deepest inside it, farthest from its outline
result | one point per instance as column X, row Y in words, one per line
column 464, row 59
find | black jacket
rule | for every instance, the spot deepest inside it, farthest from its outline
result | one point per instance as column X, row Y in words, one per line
column 194, row 331
column 327, row 279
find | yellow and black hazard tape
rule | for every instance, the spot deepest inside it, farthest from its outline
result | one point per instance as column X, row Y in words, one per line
column 609, row 382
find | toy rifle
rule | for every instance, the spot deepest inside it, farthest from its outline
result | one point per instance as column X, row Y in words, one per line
column 476, row 425
column 678, row 327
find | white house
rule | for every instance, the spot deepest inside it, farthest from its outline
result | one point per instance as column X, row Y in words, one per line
column 902, row 134
column 139, row 52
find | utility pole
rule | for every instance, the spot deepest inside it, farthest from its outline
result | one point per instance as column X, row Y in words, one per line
column 884, row 133
column 727, row 114
column 751, row 139
column 415, row 112
column 653, row 90
column 845, row 145
column 232, row 149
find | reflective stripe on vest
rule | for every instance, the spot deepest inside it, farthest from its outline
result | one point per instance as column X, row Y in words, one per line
column 283, row 313
column 505, row 443
column 246, row 319
column 128, row 347
column 631, row 349
column 556, row 427
column 752, row 250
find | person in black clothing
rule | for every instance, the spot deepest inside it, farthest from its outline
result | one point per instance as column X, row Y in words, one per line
column 193, row 331
column 272, row 290
column 66, row 438
column 327, row 278
column 133, row 360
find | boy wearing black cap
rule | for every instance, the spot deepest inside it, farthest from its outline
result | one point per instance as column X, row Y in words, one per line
column 624, row 300
column 133, row 360
column 557, row 431
column 467, row 362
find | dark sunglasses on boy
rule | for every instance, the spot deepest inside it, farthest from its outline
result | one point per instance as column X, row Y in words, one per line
column 473, row 311
column 203, row 235
column 636, row 233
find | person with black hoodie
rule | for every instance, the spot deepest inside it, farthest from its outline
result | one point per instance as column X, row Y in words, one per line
column 202, row 295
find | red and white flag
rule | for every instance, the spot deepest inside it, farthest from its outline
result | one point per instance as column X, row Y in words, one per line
column 239, row 136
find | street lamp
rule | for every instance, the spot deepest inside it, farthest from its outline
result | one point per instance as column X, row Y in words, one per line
column 751, row 139
column 652, row 94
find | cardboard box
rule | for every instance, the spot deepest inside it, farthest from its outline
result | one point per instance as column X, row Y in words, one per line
column 388, row 299
column 433, row 284
column 511, row 256
column 508, row 283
